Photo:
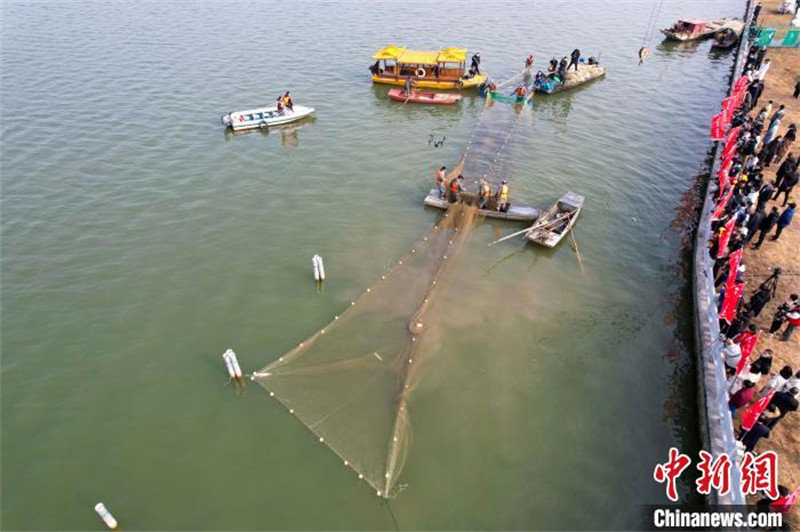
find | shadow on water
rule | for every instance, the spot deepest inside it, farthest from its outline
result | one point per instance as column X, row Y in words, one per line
column 289, row 132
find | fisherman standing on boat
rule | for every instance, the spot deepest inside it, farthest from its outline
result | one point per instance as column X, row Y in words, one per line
column 280, row 105
column 440, row 179
column 456, row 187
column 476, row 63
column 502, row 197
column 484, row 193
column 408, row 86
column 562, row 68
column 576, row 55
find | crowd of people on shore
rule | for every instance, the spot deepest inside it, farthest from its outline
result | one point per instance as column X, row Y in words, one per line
column 748, row 210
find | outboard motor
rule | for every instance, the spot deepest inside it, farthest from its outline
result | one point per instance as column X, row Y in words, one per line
column 226, row 120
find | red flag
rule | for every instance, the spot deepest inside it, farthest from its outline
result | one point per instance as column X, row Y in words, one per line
column 747, row 345
column 733, row 264
column 730, row 303
column 718, row 124
column 723, row 202
column 723, row 178
column 725, row 236
column 783, row 504
column 741, row 84
column 729, row 103
column 730, row 141
column 750, row 415
column 738, row 98
column 727, row 161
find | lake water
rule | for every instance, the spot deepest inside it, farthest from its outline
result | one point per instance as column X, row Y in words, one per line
column 139, row 240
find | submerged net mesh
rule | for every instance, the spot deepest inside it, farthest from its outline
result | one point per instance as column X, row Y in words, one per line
column 350, row 382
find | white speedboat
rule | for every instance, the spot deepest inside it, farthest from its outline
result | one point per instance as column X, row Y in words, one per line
column 264, row 117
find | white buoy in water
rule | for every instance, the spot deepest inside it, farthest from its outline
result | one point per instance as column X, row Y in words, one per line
column 105, row 515
column 236, row 369
column 319, row 268
column 229, row 364
column 233, row 364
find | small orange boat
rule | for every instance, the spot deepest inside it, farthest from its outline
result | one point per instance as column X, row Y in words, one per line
column 434, row 98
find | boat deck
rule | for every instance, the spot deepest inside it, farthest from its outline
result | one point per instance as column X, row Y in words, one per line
column 516, row 212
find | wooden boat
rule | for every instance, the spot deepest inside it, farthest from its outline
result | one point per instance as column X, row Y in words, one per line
column 728, row 36
column 263, row 117
column 433, row 98
column 574, row 78
column 445, row 69
column 557, row 221
column 694, row 29
column 521, row 213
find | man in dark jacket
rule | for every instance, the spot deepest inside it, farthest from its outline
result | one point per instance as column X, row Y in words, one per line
column 759, row 300
column 764, row 195
column 751, row 437
column 785, row 401
column 576, row 55
column 755, row 221
column 767, row 225
column 476, row 62
column 786, row 186
column 785, row 219
column 787, row 167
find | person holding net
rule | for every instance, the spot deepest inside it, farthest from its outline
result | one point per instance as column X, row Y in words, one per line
column 502, row 197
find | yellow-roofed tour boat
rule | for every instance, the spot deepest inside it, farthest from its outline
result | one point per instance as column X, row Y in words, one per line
column 445, row 69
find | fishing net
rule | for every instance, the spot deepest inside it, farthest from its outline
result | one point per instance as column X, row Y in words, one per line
column 351, row 381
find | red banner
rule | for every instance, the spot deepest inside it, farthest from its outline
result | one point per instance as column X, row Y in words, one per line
column 750, row 415
column 738, row 98
column 723, row 178
column 741, row 84
column 733, row 264
column 747, row 342
column 723, row 202
column 732, row 298
column 783, row 504
column 725, row 236
column 730, row 141
column 718, row 124
column 727, row 161
column 729, row 103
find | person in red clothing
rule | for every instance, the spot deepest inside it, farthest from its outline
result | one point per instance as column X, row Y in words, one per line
column 793, row 319
column 742, row 397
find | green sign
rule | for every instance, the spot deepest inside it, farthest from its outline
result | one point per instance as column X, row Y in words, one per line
column 765, row 37
column 791, row 38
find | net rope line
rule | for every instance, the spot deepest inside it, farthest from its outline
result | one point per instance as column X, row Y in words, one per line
column 445, row 240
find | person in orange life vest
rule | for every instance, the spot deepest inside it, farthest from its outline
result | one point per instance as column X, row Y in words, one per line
column 484, row 193
column 440, row 178
column 502, row 196
column 520, row 93
column 287, row 101
column 456, row 187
